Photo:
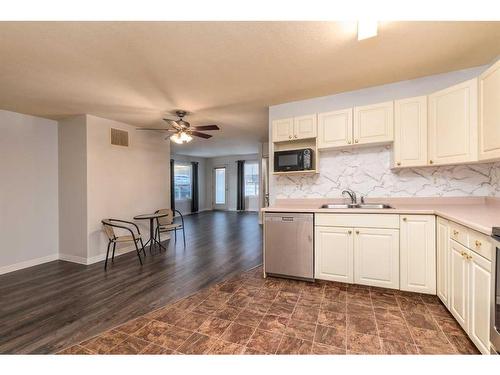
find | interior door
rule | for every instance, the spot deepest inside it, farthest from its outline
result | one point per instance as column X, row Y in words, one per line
column 220, row 188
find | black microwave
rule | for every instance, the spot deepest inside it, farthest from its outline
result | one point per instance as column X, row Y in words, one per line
column 293, row 160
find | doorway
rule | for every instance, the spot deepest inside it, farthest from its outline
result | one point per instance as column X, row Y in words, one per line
column 220, row 188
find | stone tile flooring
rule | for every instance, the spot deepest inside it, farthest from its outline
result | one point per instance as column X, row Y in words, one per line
column 252, row 315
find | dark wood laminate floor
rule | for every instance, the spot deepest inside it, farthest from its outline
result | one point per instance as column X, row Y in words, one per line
column 49, row 307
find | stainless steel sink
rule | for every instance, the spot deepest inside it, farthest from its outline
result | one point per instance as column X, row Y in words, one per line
column 339, row 205
column 363, row 206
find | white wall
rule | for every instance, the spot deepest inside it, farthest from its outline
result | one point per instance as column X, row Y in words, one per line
column 231, row 174
column 73, row 189
column 326, row 184
column 123, row 181
column 204, row 200
column 28, row 191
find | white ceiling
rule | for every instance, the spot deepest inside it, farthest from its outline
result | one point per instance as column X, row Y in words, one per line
column 226, row 73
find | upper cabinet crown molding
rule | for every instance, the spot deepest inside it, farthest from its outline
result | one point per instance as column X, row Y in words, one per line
column 335, row 129
column 410, row 132
column 374, row 123
column 453, row 124
column 489, row 113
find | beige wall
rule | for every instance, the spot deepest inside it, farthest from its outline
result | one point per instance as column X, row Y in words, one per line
column 28, row 191
column 73, row 189
column 123, row 181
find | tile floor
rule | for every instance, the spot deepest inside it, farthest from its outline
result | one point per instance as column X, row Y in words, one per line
column 252, row 315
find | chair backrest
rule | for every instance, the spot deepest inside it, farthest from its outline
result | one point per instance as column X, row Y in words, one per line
column 165, row 220
column 107, row 227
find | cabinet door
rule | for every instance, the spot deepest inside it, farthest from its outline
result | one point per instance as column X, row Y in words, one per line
column 304, row 127
column 374, row 123
column 335, row 129
column 479, row 301
column 376, row 257
column 334, row 254
column 459, row 283
column 489, row 113
column 410, row 132
column 443, row 261
column 282, row 130
column 418, row 253
column 453, row 124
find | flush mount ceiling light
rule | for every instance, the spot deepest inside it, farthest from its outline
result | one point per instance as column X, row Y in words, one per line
column 367, row 29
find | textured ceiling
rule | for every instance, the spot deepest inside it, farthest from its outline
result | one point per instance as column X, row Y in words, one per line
column 226, row 73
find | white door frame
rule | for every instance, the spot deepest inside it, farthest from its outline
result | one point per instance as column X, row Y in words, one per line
column 214, row 205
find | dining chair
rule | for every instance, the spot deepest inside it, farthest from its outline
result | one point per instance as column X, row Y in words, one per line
column 108, row 226
column 167, row 223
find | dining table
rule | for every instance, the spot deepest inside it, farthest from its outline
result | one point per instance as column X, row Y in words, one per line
column 152, row 240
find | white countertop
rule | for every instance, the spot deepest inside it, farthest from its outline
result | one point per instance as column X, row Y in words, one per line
column 478, row 213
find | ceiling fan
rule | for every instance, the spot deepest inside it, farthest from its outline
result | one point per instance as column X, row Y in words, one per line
column 183, row 131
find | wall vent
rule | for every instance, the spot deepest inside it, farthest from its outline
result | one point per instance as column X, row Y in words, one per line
column 119, row 137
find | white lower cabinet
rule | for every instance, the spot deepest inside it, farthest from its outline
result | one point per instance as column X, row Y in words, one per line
column 334, row 254
column 376, row 257
column 479, row 301
column 459, row 280
column 443, row 261
column 418, row 253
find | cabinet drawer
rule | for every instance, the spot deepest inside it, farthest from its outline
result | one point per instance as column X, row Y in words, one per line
column 459, row 233
column 358, row 220
column 481, row 244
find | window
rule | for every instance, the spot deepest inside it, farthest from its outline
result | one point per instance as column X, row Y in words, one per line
column 251, row 176
column 182, row 181
column 220, row 185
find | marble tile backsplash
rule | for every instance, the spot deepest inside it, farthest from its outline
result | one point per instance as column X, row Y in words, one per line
column 367, row 172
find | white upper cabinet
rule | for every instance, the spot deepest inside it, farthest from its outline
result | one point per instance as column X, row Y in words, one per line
column 453, row 124
column 282, row 129
column 376, row 257
column 418, row 253
column 374, row 123
column 489, row 113
column 304, row 127
column 335, row 129
column 410, row 132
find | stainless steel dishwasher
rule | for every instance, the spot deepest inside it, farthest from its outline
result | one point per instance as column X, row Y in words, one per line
column 288, row 241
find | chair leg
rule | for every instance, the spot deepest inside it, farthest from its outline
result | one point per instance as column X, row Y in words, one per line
column 184, row 235
column 138, row 252
column 107, row 254
column 114, row 247
column 142, row 246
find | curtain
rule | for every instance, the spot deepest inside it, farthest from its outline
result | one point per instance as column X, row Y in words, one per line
column 194, row 187
column 172, row 184
column 240, row 204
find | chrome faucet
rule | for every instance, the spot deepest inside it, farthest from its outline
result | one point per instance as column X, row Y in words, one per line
column 351, row 194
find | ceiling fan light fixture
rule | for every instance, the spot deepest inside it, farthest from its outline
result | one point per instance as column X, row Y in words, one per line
column 181, row 137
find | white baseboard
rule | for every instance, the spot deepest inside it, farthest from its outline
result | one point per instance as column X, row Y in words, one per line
column 101, row 257
column 73, row 258
column 28, row 263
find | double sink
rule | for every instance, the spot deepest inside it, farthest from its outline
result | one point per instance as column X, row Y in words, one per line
column 355, row 205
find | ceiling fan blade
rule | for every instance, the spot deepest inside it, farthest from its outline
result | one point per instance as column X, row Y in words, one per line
column 201, row 135
column 173, row 123
column 205, row 127
column 160, row 129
